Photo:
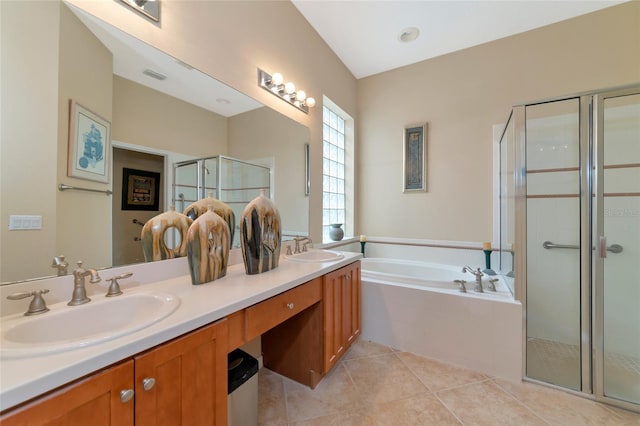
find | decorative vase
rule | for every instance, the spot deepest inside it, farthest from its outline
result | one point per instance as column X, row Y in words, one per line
column 154, row 245
column 260, row 235
column 200, row 207
column 335, row 232
column 208, row 244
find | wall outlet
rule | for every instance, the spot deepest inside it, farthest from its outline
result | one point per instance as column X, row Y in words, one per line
column 24, row 222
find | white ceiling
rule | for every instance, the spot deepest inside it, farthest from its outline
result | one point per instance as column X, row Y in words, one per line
column 364, row 34
column 132, row 56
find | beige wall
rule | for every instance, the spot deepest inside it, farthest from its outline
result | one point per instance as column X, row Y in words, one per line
column 263, row 133
column 145, row 117
column 230, row 39
column 28, row 133
column 85, row 75
column 461, row 95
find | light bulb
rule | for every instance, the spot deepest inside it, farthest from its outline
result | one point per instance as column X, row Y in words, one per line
column 289, row 87
column 311, row 102
column 300, row 95
column 277, row 79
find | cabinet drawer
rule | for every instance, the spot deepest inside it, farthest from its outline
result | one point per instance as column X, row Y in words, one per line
column 266, row 315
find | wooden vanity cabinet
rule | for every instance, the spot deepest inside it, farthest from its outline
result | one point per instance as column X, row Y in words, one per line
column 304, row 331
column 342, row 301
column 94, row 400
column 184, row 381
column 188, row 387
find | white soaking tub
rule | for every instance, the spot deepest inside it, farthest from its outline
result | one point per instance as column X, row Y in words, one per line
column 416, row 307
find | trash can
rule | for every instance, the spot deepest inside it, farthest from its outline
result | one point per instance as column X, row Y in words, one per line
column 242, row 389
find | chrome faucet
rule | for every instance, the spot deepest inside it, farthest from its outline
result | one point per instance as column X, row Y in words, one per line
column 79, row 296
column 297, row 240
column 478, row 274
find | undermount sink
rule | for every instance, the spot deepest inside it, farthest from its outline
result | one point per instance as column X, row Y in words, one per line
column 315, row 256
column 71, row 327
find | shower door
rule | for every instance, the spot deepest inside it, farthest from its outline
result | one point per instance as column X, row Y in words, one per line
column 578, row 228
column 617, row 258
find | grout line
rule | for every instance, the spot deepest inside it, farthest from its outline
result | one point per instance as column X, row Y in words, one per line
column 520, row 402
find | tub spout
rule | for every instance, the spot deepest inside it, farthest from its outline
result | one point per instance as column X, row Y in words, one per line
column 478, row 274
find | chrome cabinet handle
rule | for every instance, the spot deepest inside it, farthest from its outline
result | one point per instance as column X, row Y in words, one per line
column 290, row 305
column 148, row 383
column 347, row 276
column 126, row 395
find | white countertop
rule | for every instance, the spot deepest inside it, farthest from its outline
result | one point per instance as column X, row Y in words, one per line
column 25, row 378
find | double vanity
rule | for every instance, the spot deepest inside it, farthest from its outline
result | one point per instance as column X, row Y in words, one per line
column 158, row 353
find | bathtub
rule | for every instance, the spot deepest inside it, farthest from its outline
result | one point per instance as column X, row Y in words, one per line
column 416, row 307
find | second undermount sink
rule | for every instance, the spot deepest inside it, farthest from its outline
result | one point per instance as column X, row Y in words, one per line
column 71, row 327
column 315, row 256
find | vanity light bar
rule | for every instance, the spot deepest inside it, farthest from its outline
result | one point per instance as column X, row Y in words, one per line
column 287, row 92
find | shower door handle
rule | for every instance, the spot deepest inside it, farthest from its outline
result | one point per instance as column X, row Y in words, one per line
column 603, row 246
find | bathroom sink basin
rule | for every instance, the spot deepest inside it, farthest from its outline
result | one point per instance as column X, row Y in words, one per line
column 70, row 327
column 315, row 256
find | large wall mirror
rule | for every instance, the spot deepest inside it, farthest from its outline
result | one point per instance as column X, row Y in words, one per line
column 161, row 111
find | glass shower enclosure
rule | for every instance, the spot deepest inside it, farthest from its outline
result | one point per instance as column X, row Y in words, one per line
column 235, row 182
column 570, row 215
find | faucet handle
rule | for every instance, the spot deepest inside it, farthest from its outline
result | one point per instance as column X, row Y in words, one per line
column 463, row 288
column 37, row 305
column 114, row 287
column 492, row 284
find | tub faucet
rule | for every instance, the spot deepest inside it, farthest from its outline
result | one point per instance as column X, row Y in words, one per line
column 79, row 296
column 478, row 274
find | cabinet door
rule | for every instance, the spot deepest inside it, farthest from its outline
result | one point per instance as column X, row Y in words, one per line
column 352, row 300
column 333, row 314
column 184, row 382
column 93, row 401
column 341, row 298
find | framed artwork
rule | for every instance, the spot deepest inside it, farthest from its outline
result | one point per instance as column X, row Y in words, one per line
column 89, row 145
column 140, row 190
column 415, row 158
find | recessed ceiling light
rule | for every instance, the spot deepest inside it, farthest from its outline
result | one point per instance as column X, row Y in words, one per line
column 408, row 34
column 223, row 101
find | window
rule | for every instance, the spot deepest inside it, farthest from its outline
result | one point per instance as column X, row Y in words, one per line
column 337, row 171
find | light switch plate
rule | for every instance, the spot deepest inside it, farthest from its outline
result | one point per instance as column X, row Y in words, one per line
column 24, row 222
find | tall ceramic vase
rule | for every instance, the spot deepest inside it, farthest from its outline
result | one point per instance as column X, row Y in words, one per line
column 208, row 244
column 200, row 207
column 153, row 235
column 260, row 235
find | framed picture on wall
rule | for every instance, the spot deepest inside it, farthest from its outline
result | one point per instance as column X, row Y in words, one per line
column 89, row 144
column 140, row 190
column 415, row 158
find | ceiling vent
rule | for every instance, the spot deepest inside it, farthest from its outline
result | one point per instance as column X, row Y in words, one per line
column 154, row 74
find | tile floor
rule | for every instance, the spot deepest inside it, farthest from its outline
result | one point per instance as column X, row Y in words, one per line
column 377, row 385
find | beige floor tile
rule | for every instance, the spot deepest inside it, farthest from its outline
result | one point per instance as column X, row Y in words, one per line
column 336, row 393
column 424, row 409
column 342, row 419
column 562, row 408
column 383, row 378
column 362, row 348
column 272, row 409
column 439, row 375
column 485, row 403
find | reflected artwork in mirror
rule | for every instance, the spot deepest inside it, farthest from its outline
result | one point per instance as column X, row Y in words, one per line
column 154, row 123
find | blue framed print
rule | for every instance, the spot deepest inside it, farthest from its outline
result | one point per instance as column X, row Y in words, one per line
column 415, row 158
column 89, row 145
